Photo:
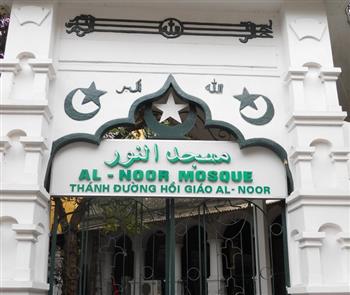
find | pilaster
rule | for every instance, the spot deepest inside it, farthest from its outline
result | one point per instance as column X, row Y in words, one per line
column 344, row 240
column 26, row 72
column 318, row 150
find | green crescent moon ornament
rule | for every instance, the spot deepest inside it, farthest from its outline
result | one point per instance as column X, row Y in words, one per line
column 248, row 99
column 91, row 95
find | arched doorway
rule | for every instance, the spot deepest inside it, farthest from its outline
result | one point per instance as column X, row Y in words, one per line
column 194, row 123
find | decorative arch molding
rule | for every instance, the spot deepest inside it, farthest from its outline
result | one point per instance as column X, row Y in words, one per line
column 171, row 85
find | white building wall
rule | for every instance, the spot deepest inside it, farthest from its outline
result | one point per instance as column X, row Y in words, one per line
column 294, row 69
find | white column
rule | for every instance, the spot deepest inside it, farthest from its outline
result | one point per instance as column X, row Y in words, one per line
column 26, row 236
column 344, row 240
column 313, row 120
column 340, row 159
column 43, row 73
column 310, row 244
column 216, row 280
column 24, row 200
column 34, row 148
column 178, row 281
column 302, row 157
column 329, row 79
column 263, row 268
column 295, row 79
column 139, row 255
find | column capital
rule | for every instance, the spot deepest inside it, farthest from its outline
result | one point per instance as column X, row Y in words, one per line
column 344, row 239
column 33, row 144
column 26, row 232
column 315, row 118
column 302, row 153
column 10, row 66
column 43, row 67
column 295, row 74
column 330, row 74
column 340, row 154
column 310, row 239
column 4, row 144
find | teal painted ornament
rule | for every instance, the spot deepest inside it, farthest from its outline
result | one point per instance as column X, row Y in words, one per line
column 91, row 95
column 248, row 100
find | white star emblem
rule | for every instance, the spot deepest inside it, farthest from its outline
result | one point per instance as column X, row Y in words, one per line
column 170, row 109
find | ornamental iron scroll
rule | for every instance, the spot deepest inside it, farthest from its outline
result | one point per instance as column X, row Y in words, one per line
column 169, row 28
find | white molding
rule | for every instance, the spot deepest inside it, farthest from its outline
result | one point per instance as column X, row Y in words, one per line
column 43, row 67
column 141, row 68
column 24, row 193
column 301, row 154
column 26, row 232
column 26, row 107
column 340, row 154
column 4, row 144
column 10, row 66
column 298, row 199
column 316, row 119
column 330, row 74
column 310, row 239
column 344, row 239
column 295, row 73
column 24, row 286
column 321, row 289
column 33, row 144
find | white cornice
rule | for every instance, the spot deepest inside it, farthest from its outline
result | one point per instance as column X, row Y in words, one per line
column 9, row 65
column 310, row 239
column 302, row 154
column 312, row 118
column 330, row 74
column 24, row 193
column 43, row 67
column 26, row 107
column 26, row 232
column 33, row 144
column 296, row 73
column 330, row 197
column 340, row 154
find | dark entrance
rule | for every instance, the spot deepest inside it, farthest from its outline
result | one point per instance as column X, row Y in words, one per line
column 131, row 259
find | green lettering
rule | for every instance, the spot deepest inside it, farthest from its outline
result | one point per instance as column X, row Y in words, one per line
column 248, row 176
column 236, row 176
column 213, row 176
column 163, row 175
column 124, row 174
column 137, row 175
column 186, row 176
column 219, row 190
column 151, row 175
column 84, row 174
column 200, row 175
column 267, row 190
column 241, row 189
column 224, row 176
column 95, row 175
